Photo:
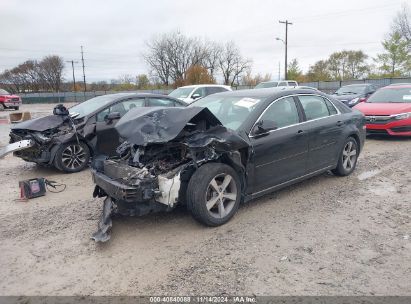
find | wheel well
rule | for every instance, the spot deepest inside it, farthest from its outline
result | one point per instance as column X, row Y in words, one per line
column 357, row 139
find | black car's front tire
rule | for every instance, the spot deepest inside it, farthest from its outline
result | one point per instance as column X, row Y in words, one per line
column 348, row 157
column 214, row 194
column 72, row 157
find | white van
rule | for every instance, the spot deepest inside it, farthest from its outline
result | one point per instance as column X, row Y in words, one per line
column 192, row 92
column 273, row 84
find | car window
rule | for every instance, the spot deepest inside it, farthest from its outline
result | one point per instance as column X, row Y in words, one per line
column 160, row 102
column 121, row 107
column 232, row 111
column 282, row 84
column 314, row 106
column 213, row 90
column 283, row 112
column 331, row 108
column 200, row 91
column 292, row 83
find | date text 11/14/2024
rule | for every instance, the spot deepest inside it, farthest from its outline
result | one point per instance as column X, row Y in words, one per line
column 203, row 299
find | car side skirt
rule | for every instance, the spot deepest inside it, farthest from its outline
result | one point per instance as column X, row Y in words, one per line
column 287, row 183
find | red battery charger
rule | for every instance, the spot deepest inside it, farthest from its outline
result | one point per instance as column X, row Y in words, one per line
column 32, row 188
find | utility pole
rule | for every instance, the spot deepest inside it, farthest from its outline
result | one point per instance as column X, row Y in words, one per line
column 84, row 74
column 285, row 42
column 74, row 79
column 279, row 71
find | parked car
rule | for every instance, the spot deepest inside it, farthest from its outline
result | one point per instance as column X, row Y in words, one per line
column 353, row 94
column 273, row 84
column 9, row 101
column 67, row 139
column 388, row 111
column 224, row 149
column 192, row 92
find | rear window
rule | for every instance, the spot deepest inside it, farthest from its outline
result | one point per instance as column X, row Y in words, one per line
column 391, row 95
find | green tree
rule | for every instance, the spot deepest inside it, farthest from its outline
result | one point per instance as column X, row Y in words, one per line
column 396, row 60
column 294, row 72
column 318, row 71
column 143, row 83
column 357, row 66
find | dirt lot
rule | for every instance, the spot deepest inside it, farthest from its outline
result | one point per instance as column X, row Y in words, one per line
column 325, row 236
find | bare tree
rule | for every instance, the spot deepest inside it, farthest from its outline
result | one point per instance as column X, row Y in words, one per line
column 402, row 23
column 213, row 51
column 232, row 65
column 51, row 72
column 157, row 59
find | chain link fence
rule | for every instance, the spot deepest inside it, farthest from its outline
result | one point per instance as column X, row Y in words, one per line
column 325, row 86
column 332, row 86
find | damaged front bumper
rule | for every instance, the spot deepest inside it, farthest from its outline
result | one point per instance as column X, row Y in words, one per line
column 130, row 191
column 16, row 146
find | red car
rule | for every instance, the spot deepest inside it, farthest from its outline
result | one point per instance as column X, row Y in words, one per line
column 9, row 101
column 388, row 111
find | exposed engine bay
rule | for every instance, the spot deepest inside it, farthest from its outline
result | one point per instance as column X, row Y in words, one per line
column 162, row 149
column 44, row 134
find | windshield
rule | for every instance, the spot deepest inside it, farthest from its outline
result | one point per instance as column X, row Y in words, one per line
column 263, row 85
column 181, row 92
column 231, row 111
column 391, row 95
column 4, row 92
column 350, row 90
column 89, row 106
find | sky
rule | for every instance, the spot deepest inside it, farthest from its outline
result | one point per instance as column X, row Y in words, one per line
column 114, row 32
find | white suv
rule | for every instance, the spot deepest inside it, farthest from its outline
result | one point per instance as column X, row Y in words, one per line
column 273, row 84
column 193, row 92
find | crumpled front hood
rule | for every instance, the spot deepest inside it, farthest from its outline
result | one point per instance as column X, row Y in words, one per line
column 40, row 124
column 142, row 126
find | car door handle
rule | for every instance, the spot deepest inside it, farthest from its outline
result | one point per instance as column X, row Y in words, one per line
column 300, row 132
column 339, row 123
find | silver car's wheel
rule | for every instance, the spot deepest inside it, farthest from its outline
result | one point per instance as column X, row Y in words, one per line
column 221, row 195
column 73, row 156
column 213, row 194
column 349, row 156
column 347, row 160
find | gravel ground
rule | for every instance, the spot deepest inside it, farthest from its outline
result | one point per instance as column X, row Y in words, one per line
column 324, row 236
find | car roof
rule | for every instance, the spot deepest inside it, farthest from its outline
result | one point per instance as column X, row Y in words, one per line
column 357, row 85
column 397, row 86
column 267, row 92
column 205, row 85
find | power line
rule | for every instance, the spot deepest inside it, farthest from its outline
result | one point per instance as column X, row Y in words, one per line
column 84, row 74
column 285, row 43
column 74, row 77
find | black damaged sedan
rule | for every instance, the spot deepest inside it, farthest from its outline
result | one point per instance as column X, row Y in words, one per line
column 224, row 149
column 68, row 139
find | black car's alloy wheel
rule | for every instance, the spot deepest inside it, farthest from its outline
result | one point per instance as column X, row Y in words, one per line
column 72, row 157
column 213, row 194
column 348, row 158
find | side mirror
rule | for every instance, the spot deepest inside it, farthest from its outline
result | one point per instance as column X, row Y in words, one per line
column 112, row 116
column 195, row 96
column 363, row 99
column 264, row 126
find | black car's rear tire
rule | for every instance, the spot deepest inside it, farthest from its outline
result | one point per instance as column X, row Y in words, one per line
column 214, row 194
column 16, row 108
column 348, row 157
column 72, row 157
